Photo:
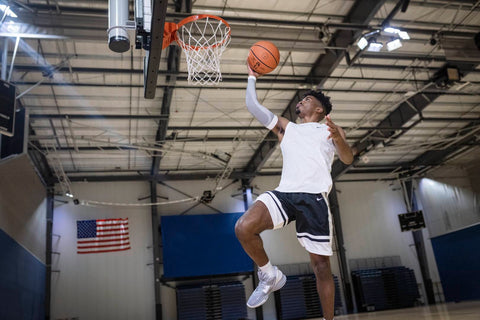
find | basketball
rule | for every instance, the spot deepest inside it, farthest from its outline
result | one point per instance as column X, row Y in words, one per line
column 263, row 57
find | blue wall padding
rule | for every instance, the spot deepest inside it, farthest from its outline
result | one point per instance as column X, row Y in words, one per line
column 22, row 282
column 202, row 245
column 458, row 260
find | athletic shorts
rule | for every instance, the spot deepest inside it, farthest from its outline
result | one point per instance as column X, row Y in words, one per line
column 311, row 213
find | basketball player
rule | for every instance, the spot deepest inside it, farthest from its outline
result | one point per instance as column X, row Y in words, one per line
column 308, row 151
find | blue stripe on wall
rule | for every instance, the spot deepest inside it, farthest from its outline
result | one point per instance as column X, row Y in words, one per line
column 458, row 261
column 22, row 282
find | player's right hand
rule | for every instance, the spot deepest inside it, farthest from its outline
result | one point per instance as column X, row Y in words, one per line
column 252, row 73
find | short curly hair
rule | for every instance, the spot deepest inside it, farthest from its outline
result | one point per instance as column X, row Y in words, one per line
column 324, row 100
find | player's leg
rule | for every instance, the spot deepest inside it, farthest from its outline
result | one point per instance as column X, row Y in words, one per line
column 262, row 215
column 314, row 232
column 325, row 285
column 248, row 229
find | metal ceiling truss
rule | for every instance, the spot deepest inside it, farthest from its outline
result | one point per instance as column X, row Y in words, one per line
column 408, row 109
column 85, row 23
column 465, row 137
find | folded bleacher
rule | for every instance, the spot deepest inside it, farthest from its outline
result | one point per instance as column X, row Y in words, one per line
column 220, row 301
column 385, row 288
column 298, row 299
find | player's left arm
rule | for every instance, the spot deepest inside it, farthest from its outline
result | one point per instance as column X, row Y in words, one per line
column 339, row 140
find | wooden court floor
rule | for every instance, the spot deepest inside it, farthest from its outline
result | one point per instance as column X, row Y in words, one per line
column 468, row 310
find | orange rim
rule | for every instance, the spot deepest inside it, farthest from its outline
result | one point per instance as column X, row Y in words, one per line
column 197, row 17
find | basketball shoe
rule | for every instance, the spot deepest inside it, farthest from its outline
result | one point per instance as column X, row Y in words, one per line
column 267, row 284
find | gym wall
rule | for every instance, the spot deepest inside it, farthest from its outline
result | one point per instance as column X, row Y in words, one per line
column 110, row 285
column 22, row 240
column 369, row 219
column 452, row 212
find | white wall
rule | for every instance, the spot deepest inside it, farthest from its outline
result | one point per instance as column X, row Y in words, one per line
column 448, row 208
column 23, row 205
column 113, row 285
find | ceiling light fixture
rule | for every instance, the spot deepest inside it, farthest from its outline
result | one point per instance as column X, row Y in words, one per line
column 7, row 11
column 402, row 34
column 366, row 39
column 362, row 43
column 374, row 46
column 394, row 44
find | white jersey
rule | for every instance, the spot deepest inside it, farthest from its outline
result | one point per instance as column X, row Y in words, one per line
column 307, row 158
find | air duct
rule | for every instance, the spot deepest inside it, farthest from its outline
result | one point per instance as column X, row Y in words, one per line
column 118, row 40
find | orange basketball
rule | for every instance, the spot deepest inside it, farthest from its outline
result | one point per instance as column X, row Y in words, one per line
column 263, row 57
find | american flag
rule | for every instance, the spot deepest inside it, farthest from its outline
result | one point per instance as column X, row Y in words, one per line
column 102, row 235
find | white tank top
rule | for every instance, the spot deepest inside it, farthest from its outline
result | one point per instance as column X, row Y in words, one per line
column 307, row 158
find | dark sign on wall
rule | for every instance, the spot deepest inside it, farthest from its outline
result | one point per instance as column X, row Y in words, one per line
column 7, row 108
column 411, row 220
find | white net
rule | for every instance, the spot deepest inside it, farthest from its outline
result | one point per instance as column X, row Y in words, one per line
column 203, row 42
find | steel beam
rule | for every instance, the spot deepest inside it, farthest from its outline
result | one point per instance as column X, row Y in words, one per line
column 242, row 87
column 48, row 248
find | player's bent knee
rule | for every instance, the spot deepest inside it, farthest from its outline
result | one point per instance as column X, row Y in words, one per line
column 242, row 228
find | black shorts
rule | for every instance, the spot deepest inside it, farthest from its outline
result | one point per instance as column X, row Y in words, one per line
column 311, row 213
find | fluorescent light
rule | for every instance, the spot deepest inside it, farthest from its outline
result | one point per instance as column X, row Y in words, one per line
column 404, row 35
column 375, row 46
column 7, row 10
column 394, row 44
column 362, row 43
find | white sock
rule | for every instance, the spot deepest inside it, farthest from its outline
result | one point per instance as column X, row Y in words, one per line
column 268, row 268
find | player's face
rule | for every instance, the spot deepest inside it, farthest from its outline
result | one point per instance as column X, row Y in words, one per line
column 307, row 106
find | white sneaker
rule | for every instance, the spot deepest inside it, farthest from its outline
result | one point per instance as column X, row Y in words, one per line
column 267, row 284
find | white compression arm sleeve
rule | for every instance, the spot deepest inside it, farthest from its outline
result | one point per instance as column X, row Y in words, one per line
column 265, row 116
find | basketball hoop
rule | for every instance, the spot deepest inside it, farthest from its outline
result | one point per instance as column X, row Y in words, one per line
column 203, row 38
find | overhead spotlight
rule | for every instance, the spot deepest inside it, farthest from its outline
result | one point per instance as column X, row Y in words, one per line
column 404, row 35
column 362, row 43
column 391, row 30
column 433, row 41
column 374, row 46
column 68, row 194
column 6, row 9
column 394, row 44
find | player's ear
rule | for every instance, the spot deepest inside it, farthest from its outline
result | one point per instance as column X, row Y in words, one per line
column 319, row 110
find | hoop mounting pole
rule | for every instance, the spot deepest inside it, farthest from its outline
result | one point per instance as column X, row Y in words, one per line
column 152, row 60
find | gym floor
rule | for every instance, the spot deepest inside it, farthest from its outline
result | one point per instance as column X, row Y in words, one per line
column 459, row 311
